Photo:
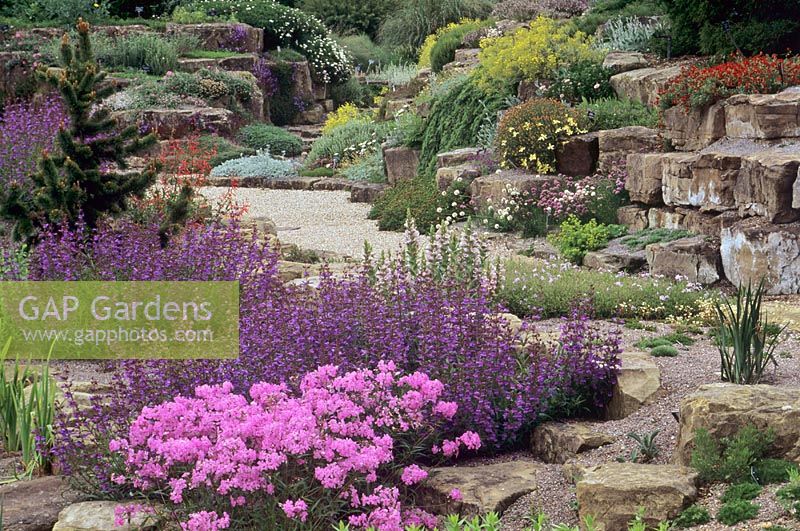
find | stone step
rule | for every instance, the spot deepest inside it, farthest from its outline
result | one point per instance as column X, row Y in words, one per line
column 234, row 63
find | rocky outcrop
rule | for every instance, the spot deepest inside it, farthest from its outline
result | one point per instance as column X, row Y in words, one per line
column 401, row 163
column 231, row 36
column 615, row 257
column 493, row 188
column 99, row 516
column 614, row 492
column 753, row 249
column 450, row 174
column 644, row 178
column 724, row 409
column 624, row 61
column 178, row 123
column 483, row 488
column 632, row 216
column 763, row 116
column 665, row 218
column 638, row 381
column 34, row 505
column 577, row 155
column 458, row 156
column 558, row 442
column 643, row 84
column 366, row 192
column 704, row 180
column 697, row 259
column 695, row 129
column 765, row 183
column 616, row 144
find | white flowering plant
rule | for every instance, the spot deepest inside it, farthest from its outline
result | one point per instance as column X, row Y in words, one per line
column 289, row 27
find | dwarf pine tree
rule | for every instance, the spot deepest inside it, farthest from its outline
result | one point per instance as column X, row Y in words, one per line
column 87, row 177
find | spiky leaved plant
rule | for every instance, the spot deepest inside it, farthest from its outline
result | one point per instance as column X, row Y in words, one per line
column 89, row 175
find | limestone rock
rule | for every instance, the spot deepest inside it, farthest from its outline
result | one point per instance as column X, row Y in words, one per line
column 366, row 192
column 796, row 191
column 401, row 163
column 492, row 189
column 190, row 64
column 764, row 185
column 448, row 175
column 34, row 505
column 577, row 155
column 615, row 257
column 763, row 116
column 457, row 157
column 179, row 123
column 484, row 488
column 752, row 250
column 693, row 130
column 238, row 63
column 706, row 223
column 557, row 442
column 639, row 380
column 632, row 216
column 99, row 516
column 614, row 492
column 616, row 144
column 624, row 61
column 665, row 218
column 643, row 84
column 315, row 114
column 644, row 177
column 723, row 409
column 222, row 35
column 676, row 177
column 696, row 258
column 704, row 180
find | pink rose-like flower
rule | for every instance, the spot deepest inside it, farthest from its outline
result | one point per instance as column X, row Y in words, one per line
column 413, row 474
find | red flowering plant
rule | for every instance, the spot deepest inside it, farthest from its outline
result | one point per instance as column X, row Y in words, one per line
column 698, row 86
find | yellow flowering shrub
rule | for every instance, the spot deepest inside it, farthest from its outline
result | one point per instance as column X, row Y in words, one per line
column 344, row 114
column 528, row 133
column 533, row 54
column 425, row 50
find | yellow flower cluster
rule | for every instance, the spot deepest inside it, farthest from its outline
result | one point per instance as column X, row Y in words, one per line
column 528, row 134
column 344, row 114
column 425, row 50
column 533, row 53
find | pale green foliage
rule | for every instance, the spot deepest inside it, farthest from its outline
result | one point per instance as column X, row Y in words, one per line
column 261, row 165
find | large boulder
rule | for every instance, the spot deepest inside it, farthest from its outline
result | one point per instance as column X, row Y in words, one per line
column 401, row 163
column 704, row 180
column 616, row 144
column 366, row 192
column 643, row 84
column 613, row 493
column 665, row 218
column 624, row 61
column 644, row 177
column 633, row 216
column 231, row 36
column 99, row 516
column 558, row 442
column 615, row 257
column 637, row 384
column 695, row 129
column 34, row 505
column 697, row 259
column 179, row 123
column 483, row 488
column 763, row 116
column 723, row 409
column 577, row 155
column 450, row 174
column 706, row 223
column 753, row 249
column 458, row 156
column 765, row 182
column 494, row 188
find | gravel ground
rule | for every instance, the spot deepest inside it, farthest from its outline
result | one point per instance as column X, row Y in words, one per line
column 316, row 220
column 696, row 365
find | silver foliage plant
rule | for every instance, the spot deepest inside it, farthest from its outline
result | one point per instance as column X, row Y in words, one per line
column 633, row 34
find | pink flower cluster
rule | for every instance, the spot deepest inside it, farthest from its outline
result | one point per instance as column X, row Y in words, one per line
column 269, row 459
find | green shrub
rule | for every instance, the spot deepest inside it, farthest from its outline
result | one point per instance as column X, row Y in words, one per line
column 61, row 12
column 532, row 287
column 789, row 495
column 409, row 131
column 184, row 15
column 752, row 346
column 269, row 137
column 350, row 16
column 528, row 134
column 769, row 471
column 753, row 26
column 693, row 515
column 348, row 142
column 664, row 351
column 641, row 239
column 211, row 85
column 652, row 342
column 364, row 53
column 394, row 75
column 584, row 80
column 737, row 511
column 575, row 239
column 741, row 491
column 612, row 113
column 407, row 27
column 224, row 148
column 417, row 197
column 601, row 11
column 318, row 172
column 261, row 165
column 448, row 42
column 287, row 55
column 350, row 91
column 731, row 458
column 368, row 168
column 635, row 34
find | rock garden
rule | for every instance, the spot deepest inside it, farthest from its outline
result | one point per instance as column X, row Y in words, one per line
column 528, row 265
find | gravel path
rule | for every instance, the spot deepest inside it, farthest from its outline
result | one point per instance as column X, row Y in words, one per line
column 316, row 220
